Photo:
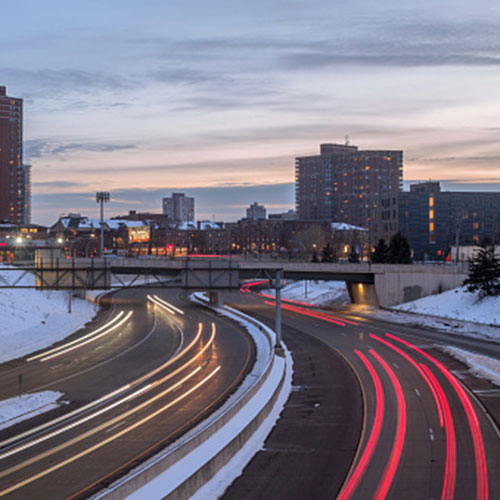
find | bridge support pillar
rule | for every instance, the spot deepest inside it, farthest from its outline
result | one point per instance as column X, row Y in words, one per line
column 215, row 299
column 277, row 327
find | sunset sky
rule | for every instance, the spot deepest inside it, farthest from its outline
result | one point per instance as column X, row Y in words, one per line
column 145, row 97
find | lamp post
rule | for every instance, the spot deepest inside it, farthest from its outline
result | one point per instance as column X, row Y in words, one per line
column 102, row 197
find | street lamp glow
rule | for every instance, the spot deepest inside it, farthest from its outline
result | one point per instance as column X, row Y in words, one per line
column 60, row 240
column 19, row 240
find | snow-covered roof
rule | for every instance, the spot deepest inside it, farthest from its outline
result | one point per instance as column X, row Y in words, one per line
column 204, row 225
column 89, row 223
column 343, row 226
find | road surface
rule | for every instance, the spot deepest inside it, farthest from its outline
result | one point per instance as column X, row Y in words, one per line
column 141, row 375
column 384, row 414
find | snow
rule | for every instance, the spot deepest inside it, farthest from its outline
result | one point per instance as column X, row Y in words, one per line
column 216, row 487
column 457, row 304
column 319, row 293
column 204, row 225
column 15, row 410
column 455, row 311
column 342, row 226
column 186, row 466
column 33, row 319
column 480, row 365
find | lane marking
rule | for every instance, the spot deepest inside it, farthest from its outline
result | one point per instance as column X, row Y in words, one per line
column 477, row 438
column 418, row 393
column 91, row 339
column 114, row 393
column 450, row 471
column 445, row 419
column 312, row 314
column 420, row 370
column 168, row 304
column 431, row 433
column 108, row 440
column 352, row 484
column 399, row 440
column 111, row 406
column 162, row 306
column 90, row 334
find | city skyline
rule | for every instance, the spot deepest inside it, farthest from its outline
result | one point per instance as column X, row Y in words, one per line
column 144, row 98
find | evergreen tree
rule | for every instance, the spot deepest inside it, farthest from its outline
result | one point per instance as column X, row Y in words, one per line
column 400, row 250
column 484, row 271
column 315, row 257
column 327, row 254
column 353, row 256
column 381, row 254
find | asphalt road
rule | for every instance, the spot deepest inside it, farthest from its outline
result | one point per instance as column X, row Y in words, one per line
column 135, row 382
column 418, row 424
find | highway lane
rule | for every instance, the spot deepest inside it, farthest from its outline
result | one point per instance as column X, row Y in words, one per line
column 424, row 435
column 168, row 388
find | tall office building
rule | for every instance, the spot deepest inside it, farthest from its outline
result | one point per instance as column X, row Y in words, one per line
column 179, row 208
column 14, row 176
column 346, row 184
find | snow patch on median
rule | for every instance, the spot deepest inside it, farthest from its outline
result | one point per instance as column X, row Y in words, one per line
column 15, row 410
column 479, row 365
column 216, row 487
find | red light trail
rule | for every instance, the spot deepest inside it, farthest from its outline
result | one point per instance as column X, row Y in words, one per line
column 360, row 469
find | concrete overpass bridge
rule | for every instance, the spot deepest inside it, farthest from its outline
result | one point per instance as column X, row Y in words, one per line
column 370, row 284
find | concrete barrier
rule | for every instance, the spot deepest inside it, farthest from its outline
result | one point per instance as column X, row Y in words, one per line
column 181, row 469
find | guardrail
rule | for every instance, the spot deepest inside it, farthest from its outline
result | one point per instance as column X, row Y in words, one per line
column 189, row 463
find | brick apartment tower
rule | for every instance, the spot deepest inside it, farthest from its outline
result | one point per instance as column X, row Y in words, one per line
column 346, row 184
column 14, row 175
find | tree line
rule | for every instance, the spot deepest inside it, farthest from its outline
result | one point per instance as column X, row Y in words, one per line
column 398, row 251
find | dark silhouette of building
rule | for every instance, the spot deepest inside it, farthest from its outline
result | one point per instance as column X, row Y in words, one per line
column 14, row 176
column 346, row 184
column 434, row 220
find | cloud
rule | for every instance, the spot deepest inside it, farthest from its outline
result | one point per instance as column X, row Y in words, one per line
column 37, row 148
column 51, row 83
column 57, row 184
column 92, row 147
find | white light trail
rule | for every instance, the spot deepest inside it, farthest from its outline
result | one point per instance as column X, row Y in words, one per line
column 100, row 329
column 94, row 431
column 95, row 337
column 168, row 304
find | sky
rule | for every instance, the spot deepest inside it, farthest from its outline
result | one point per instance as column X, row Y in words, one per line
column 215, row 99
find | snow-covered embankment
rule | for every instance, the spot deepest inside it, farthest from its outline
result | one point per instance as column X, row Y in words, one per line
column 205, row 461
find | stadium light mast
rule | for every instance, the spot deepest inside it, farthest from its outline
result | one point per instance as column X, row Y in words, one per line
column 102, row 197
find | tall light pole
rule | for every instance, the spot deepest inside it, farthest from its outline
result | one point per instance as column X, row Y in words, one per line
column 102, row 197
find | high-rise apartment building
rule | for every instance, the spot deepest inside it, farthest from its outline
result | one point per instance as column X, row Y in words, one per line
column 179, row 208
column 256, row 211
column 14, row 176
column 346, row 184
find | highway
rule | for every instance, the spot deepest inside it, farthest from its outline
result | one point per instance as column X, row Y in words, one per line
column 416, row 429
column 148, row 368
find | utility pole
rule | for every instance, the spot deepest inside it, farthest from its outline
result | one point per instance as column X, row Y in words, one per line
column 277, row 288
column 102, row 197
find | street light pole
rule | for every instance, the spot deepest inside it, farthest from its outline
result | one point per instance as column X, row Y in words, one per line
column 102, row 197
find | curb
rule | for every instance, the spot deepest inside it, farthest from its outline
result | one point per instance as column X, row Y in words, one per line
column 190, row 463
